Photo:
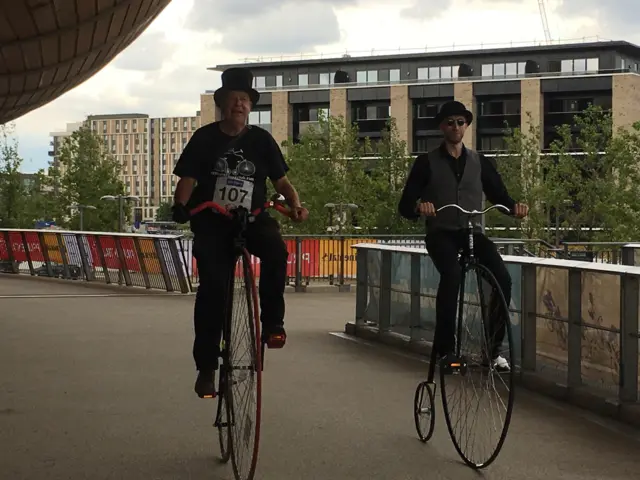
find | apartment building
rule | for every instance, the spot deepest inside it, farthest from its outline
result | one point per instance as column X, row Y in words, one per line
column 543, row 84
column 146, row 148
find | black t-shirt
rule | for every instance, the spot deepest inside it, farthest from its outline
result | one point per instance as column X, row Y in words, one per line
column 236, row 175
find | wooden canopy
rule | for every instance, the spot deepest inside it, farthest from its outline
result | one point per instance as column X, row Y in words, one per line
column 48, row 47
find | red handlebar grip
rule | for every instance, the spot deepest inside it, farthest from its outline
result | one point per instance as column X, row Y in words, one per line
column 282, row 209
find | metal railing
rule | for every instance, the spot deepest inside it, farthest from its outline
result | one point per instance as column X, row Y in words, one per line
column 132, row 260
column 575, row 324
column 426, row 49
column 327, row 259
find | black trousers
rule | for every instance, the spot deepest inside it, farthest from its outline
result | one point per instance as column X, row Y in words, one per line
column 443, row 248
column 215, row 261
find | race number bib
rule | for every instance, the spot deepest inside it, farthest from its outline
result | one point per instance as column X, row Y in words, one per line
column 233, row 192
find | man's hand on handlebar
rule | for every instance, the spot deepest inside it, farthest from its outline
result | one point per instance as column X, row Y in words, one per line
column 299, row 214
column 180, row 213
column 520, row 210
column 426, row 209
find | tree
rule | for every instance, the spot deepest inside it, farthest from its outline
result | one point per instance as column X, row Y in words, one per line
column 522, row 170
column 332, row 165
column 13, row 195
column 86, row 173
column 600, row 184
column 164, row 213
column 382, row 187
column 587, row 179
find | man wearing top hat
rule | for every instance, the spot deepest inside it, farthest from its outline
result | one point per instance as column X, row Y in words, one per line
column 454, row 173
column 248, row 154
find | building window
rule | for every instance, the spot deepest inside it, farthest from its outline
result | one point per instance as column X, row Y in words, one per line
column 437, row 73
column 278, row 80
column 259, row 82
column 325, row 79
column 394, row 75
column 446, row 73
column 579, row 65
column 508, row 69
column 303, row 79
column 499, row 107
column 492, row 143
column 426, row 144
column 260, row 117
column 372, row 112
column 367, row 76
column 426, row 110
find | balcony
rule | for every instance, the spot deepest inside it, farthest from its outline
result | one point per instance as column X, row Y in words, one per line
column 497, row 122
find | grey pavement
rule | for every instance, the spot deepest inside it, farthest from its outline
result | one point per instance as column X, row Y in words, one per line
column 98, row 385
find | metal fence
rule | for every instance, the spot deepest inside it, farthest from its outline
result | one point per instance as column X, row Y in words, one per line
column 575, row 324
column 148, row 261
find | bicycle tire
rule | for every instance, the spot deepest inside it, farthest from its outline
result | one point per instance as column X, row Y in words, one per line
column 485, row 274
column 222, row 421
column 245, row 294
column 419, row 409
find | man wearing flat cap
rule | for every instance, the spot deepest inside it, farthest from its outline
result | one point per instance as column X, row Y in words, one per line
column 454, row 173
column 219, row 157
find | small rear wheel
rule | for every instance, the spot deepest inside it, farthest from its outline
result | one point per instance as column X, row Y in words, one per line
column 424, row 409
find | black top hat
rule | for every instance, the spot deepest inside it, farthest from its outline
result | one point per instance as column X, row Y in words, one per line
column 453, row 108
column 239, row 79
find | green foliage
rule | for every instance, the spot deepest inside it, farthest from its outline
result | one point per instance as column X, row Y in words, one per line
column 331, row 165
column 13, row 194
column 164, row 213
column 588, row 179
column 86, row 173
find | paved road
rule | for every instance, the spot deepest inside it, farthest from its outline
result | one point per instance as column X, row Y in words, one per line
column 100, row 387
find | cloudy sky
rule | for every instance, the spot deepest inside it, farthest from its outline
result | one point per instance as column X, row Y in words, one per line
column 164, row 71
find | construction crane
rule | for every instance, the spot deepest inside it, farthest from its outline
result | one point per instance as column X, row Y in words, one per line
column 545, row 22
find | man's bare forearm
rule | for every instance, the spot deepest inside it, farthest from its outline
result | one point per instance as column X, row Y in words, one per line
column 184, row 189
column 288, row 191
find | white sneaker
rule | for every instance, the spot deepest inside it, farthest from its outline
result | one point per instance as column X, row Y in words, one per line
column 500, row 364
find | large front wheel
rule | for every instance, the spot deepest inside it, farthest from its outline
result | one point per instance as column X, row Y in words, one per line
column 478, row 385
column 245, row 371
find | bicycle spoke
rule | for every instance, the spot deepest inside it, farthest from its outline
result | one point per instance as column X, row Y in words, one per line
column 245, row 375
column 478, row 401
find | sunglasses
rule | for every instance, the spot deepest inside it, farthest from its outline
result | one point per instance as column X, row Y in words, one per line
column 460, row 122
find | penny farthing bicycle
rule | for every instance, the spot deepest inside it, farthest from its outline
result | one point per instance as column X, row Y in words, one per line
column 477, row 394
column 239, row 390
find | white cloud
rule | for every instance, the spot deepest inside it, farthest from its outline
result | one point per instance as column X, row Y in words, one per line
column 164, row 71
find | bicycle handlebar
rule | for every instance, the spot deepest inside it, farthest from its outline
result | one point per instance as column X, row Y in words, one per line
column 227, row 213
column 475, row 212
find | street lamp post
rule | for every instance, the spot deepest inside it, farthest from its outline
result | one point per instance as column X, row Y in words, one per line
column 120, row 199
column 352, row 207
column 565, row 203
column 81, row 209
column 342, row 207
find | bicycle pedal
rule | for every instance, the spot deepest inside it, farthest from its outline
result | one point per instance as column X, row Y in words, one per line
column 276, row 341
column 454, row 366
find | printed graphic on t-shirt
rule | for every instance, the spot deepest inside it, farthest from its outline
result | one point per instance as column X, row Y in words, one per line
column 234, row 188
